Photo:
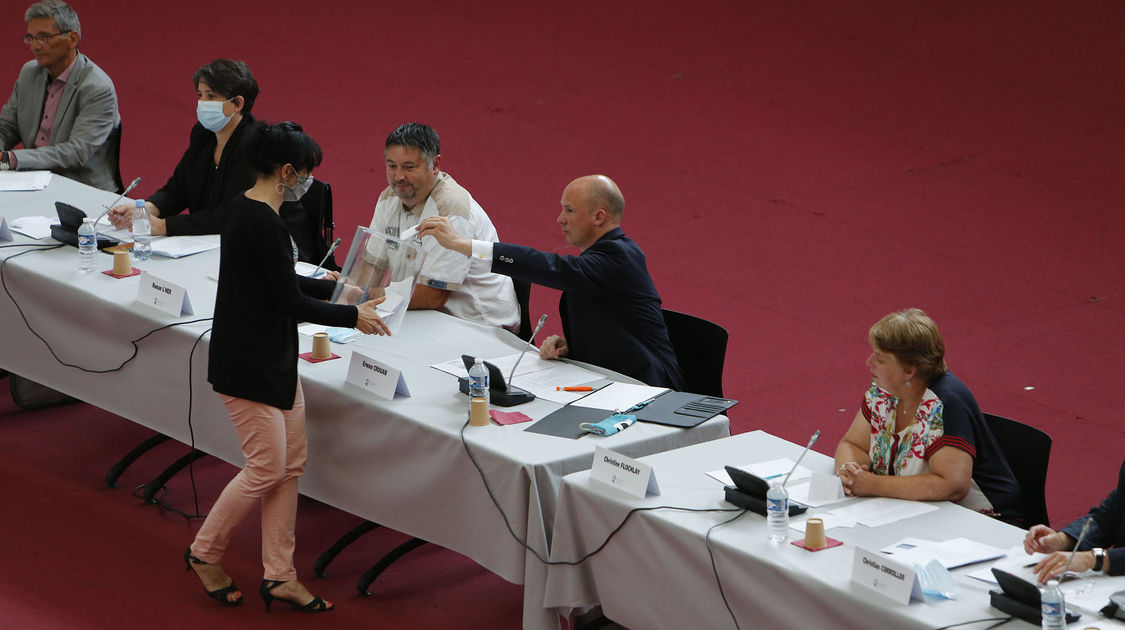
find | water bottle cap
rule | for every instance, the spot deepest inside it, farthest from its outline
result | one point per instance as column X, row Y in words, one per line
column 140, row 203
column 1052, row 583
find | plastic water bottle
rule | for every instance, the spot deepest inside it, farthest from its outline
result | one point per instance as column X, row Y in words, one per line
column 142, row 232
column 777, row 513
column 87, row 246
column 1054, row 607
column 478, row 394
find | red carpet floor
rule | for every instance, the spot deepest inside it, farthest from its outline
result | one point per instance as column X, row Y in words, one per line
column 793, row 170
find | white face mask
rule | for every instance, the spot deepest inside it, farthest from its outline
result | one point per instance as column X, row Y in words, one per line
column 210, row 114
column 298, row 190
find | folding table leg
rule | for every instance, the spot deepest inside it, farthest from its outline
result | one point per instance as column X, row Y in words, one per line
column 326, row 558
column 372, row 574
column 117, row 469
column 154, row 486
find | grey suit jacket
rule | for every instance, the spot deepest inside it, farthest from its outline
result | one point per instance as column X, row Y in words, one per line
column 86, row 117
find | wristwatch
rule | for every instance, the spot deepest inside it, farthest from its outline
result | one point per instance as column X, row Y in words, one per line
column 1099, row 558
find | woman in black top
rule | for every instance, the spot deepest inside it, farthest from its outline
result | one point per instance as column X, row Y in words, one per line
column 214, row 168
column 253, row 366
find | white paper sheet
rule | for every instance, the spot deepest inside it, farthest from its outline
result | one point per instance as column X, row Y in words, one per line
column 180, row 246
column 953, row 553
column 830, row 520
column 877, row 511
column 34, row 227
column 24, row 180
column 619, row 396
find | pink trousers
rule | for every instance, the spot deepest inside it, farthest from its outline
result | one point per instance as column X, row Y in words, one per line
column 275, row 446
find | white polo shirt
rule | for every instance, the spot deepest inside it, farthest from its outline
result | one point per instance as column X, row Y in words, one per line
column 476, row 294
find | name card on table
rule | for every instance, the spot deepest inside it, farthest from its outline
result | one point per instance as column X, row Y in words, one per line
column 885, row 576
column 376, row 377
column 166, row 296
column 634, row 477
column 5, row 231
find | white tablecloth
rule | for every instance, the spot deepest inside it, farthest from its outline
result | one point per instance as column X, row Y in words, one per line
column 656, row 572
column 400, row 463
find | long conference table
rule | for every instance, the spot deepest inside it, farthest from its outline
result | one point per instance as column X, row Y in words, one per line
column 656, row 571
column 400, row 462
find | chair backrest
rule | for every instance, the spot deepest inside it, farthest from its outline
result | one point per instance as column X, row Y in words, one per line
column 701, row 350
column 1027, row 450
column 523, row 297
column 114, row 142
column 315, row 226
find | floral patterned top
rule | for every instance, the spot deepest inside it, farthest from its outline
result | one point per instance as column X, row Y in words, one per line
column 907, row 452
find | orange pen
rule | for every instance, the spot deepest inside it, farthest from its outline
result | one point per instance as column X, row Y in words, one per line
column 580, row 388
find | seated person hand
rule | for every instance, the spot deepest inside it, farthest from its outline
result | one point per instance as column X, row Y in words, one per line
column 121, row 215
column 553, row 347
column 852, row 475
column 1052, row 566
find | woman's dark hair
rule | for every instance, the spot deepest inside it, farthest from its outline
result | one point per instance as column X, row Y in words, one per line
column 273, row 146
column 229, row 78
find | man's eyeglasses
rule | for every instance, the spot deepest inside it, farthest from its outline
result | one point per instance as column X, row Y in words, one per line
column 41, row 38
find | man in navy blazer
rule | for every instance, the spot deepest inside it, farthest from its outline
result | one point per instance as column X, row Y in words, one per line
column 63, row 107
column 611, row 313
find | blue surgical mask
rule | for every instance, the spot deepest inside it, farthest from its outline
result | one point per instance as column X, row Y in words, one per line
column 210, row 115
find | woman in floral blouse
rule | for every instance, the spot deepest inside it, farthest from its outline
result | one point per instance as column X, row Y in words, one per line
column 920, row 434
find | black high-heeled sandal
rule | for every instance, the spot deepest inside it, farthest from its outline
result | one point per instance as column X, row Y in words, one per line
column 317, row 605
column 219, row 594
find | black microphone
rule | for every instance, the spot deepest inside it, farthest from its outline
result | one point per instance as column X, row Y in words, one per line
column 538, row 327
column 335, row 244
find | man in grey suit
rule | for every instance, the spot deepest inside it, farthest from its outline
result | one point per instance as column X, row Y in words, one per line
column 63, row 108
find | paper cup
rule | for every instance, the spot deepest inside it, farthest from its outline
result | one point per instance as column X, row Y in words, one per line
column 478, row 413
column 122, row 264
column 814, row 533
column 322, row 347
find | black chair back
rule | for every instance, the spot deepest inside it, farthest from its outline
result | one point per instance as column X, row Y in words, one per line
column 312, row 229
column 701, row 350
column 523, row 297
column 114, row 142
column 1027, row 450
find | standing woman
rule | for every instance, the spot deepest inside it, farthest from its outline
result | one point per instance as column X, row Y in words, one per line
column 253, row 366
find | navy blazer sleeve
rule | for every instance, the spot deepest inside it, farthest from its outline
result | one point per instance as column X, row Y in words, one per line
column 598, row 271
column 1108, row 527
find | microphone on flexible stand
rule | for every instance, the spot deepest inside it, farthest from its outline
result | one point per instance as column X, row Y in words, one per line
column 812, row 440
column 538, row 327
column 130, row 187
column 501, row 392
column 331, row 249
column 1081, row 537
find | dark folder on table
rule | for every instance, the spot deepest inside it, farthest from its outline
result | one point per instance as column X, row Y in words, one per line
column 677, row 409
column 683, row 409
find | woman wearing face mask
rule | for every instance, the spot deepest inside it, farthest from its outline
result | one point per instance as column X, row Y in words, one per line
column 213, row 169
column 253, row 366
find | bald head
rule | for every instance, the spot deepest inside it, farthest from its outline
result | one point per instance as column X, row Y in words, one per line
column 591, row 207
column 599, row 191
